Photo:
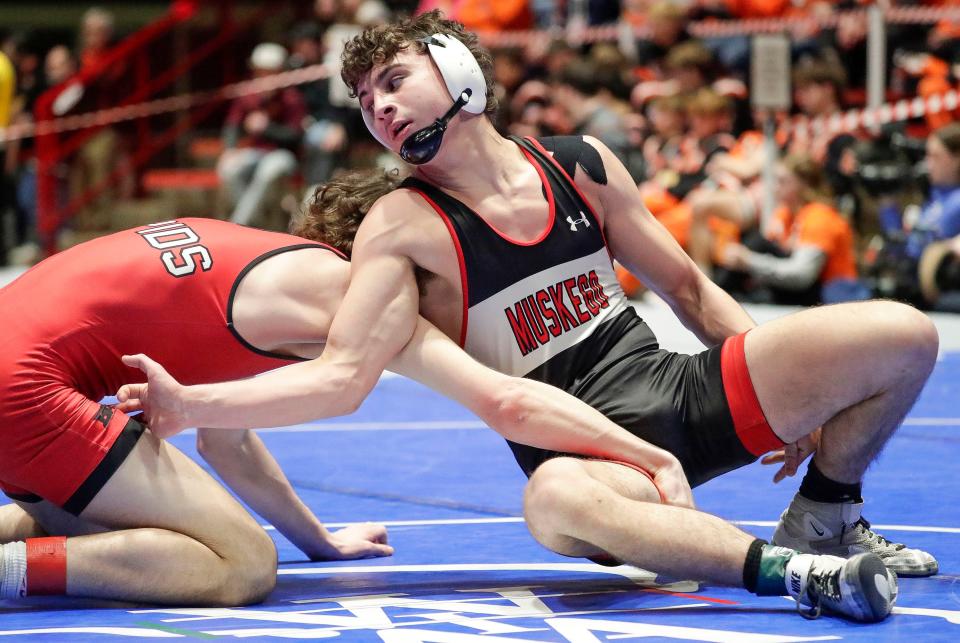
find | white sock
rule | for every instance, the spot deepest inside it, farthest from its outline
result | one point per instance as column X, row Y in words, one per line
column 13, row 570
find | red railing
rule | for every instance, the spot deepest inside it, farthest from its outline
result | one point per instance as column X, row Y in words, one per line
column 54, row 149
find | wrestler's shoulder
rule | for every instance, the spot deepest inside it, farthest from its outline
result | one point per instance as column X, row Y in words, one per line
column 399, row 206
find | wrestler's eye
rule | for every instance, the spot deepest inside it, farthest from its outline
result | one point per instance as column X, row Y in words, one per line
column 394, row 82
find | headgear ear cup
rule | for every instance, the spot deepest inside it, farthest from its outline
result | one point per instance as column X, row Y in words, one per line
column 460, row 71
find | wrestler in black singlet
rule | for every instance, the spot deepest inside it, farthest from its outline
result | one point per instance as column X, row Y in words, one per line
column 552, row 310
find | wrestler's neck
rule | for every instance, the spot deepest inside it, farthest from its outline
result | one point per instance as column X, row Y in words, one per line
column 474, row 160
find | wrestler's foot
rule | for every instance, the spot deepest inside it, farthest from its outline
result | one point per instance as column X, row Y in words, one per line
column 837, row 529
column 859, row 587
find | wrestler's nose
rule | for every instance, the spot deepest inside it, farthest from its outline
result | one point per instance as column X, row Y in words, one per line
column 384, row 110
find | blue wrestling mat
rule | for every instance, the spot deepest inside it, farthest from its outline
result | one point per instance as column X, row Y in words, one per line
column 467, row 571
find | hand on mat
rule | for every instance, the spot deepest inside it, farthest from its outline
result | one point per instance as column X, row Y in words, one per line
column 672, row 483
column 160, row 398
column 792, row 455
column 363, row 540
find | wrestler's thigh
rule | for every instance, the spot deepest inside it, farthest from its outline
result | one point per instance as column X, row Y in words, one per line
column 809, row 366
column 158, row 486
column 622, row 479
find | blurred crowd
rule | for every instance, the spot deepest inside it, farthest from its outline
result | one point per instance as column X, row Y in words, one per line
column 850, row 215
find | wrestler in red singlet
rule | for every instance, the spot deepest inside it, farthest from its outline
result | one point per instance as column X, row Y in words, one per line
column 165, row 290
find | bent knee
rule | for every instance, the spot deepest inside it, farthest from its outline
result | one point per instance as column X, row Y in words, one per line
column 250, row 576
column 911, row 333
column 551, row 495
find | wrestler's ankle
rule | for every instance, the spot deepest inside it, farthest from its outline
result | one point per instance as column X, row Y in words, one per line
column 765, row 569
column 34, row 566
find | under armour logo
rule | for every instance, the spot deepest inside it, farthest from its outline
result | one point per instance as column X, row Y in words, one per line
column 573, row 222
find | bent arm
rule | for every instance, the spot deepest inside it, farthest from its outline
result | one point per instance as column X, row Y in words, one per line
column 243, row 462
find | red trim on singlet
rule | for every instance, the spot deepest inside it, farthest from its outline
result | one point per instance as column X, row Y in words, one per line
column 649, row 475
column 463, row 265
column 328, row 247
column 550, row 202
column 576, row 187
column 750, row 423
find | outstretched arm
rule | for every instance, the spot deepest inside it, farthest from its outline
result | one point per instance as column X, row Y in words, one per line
column 243, row 462
column 533, row 413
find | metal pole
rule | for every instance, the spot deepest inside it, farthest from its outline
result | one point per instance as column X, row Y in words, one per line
column 876, row 57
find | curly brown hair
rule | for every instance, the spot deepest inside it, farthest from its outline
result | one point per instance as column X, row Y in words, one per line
column 337, row 208
column 380, row 44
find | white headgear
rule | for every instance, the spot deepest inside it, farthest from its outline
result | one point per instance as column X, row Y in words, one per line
column 459, row 70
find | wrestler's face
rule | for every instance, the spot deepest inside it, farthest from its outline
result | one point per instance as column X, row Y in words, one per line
column 403, row 95
column 944, row 167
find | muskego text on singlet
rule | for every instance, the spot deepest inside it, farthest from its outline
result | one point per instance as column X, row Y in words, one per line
column 552, row 311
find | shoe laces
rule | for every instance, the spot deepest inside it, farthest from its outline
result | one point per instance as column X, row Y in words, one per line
column 869, row 534
column 821, row 583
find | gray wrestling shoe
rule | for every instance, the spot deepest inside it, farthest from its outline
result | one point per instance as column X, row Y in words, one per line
column 838, row 530
column 859, row 587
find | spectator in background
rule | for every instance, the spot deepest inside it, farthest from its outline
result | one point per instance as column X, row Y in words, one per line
column 344, row 19
column 92, row 167
column 325, row 132
column 666, row 125
column 8, row 83
column 593, row 109
column 484, row 15
column 25, row 57
column 808, row 254
column 559, row 55
column 59, row 65
column 535, row 113
column 730, row 202
column 690, row 67
column 96, row 37
column 930, row 239
column 261, row 133
column 708, row 116
column 802, row 17
column 509, row 72
column 818, row 87
column 709, row 121
column 666, row 22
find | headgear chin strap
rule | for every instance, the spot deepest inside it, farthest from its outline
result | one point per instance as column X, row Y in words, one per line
column 465, row 82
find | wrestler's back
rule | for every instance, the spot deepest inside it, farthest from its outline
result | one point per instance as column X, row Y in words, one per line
column 164, row 290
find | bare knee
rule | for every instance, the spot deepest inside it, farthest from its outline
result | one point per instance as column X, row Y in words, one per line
column 249, row 565
column 911, row 335
column 550, row 499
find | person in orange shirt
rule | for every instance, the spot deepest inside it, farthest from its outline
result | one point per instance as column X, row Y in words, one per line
column 808, row 254
column 484, row 15
column 730, row 201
